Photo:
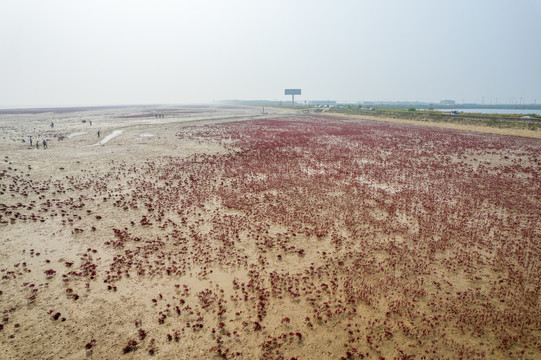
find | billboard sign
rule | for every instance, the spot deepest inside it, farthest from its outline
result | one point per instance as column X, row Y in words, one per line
column 293, row 92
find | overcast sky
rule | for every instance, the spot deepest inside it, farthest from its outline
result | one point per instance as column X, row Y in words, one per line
column 65, row 52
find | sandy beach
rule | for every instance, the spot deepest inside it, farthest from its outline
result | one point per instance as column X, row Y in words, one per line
column 218, row 232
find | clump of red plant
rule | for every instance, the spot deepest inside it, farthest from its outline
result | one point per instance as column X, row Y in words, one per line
column 152, row 347
column 90, row 344
column 130, row 346
column 49, row 273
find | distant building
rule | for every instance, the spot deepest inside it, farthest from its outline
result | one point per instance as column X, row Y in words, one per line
column 447, row 102
column 322, row 102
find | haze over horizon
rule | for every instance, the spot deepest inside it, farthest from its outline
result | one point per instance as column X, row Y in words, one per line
column 67, row 53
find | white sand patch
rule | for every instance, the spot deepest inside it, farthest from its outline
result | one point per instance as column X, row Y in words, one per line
column 147, row 135
column 76, row 134
column 109, row 137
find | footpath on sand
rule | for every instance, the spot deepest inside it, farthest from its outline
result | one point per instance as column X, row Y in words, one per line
column 109, row 137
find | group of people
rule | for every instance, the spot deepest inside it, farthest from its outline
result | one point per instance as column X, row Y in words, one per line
column 43, row 142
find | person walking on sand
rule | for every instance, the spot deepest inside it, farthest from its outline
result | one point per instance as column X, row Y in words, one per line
column 98, row 133
column 30, row 140
column 37, row 144
column 44, row 144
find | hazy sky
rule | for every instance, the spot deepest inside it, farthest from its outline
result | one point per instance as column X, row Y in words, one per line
column 65, row 52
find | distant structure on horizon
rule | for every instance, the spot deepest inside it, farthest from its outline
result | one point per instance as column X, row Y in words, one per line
column 447, row 102
column 293, row 92
column 322, row 102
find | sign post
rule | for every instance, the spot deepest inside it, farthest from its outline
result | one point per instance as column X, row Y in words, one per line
column 292, row 92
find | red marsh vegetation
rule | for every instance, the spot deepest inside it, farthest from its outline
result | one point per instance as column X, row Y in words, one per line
column 306, row 237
